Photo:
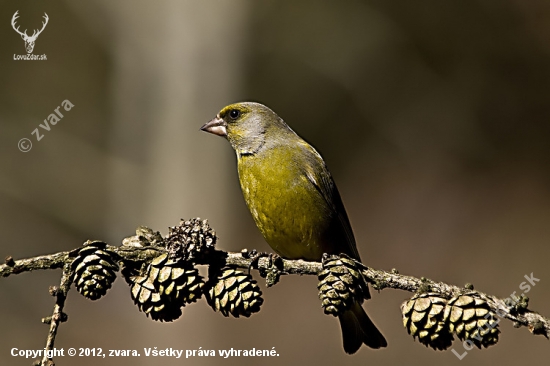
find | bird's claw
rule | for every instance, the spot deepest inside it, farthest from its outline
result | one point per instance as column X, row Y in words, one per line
column 274, row 268
column 274, row 271
column 254, row 257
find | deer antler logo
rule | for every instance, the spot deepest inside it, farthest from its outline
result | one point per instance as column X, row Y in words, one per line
column 29, row 41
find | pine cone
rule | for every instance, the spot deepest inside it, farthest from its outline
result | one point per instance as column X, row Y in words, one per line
column 424, row 318
column 149, row 300
column 94, row 270
column 130, row 270
column 471, row 318
column 234, row 292
column 190, row 239
column 166, row 287
column 340, row 284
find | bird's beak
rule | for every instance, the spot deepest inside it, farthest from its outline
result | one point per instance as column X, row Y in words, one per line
column 217, row 126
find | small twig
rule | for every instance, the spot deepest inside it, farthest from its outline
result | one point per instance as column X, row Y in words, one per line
column 58, row 260
column 50, row 261
column 57, row 316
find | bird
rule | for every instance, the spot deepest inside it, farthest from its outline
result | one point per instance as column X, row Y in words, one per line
column 293, row 199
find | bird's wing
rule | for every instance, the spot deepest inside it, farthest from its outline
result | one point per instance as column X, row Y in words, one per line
column 325, row 185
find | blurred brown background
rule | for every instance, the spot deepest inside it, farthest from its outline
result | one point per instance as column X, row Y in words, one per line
column 433, row 117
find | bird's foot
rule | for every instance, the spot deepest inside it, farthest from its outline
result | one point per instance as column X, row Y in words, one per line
column 254, row 257
column 272, row 272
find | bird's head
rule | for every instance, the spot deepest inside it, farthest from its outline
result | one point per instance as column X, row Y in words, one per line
column 247, row 126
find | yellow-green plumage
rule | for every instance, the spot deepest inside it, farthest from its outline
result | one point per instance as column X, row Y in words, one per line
column 298, row 232
column 292, row 198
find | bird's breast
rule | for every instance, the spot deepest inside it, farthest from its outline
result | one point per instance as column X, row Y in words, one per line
column 287, row 209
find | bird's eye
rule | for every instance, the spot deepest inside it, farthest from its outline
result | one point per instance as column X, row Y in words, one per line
column 234, row 114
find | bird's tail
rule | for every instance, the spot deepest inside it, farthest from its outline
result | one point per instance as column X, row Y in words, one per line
column 357, row 328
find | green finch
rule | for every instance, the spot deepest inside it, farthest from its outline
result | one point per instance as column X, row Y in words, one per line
column 293, row 199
